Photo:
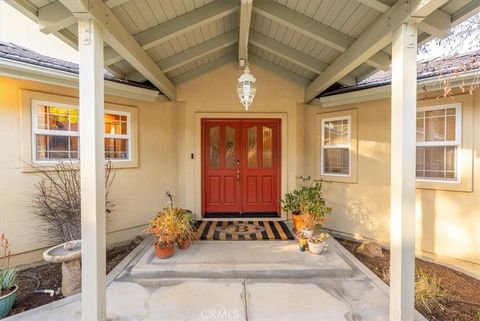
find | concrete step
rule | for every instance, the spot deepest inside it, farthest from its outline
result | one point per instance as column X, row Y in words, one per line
column 243, row 259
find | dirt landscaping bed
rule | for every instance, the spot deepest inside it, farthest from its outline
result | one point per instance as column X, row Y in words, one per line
column 462, row 299
column 49, row 277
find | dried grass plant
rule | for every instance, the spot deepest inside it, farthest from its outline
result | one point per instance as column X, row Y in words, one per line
column 56, row 200
column 428, row 292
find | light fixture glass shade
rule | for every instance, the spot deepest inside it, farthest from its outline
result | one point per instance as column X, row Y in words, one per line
column 246, row 88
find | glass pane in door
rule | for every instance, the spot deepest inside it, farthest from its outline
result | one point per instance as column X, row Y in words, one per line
column 214, row 147
column 267, row 147
column 252, row 147
column 230, row 157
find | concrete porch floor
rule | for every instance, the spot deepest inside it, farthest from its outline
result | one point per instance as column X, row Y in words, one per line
column 243, row 280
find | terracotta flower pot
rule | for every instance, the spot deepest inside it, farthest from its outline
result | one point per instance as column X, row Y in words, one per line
column 297, row 221
column 164, row 252
column 184, row 244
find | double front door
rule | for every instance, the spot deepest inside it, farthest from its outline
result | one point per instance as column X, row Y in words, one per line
column 240, row 166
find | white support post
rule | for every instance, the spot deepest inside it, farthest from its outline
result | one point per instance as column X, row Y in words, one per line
column 402, row 220
column 92, row 169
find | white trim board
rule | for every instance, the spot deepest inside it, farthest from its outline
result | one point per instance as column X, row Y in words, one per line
column 45, row 75
column 384, row 92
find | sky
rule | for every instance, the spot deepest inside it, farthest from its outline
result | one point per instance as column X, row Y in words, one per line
column 17, row 28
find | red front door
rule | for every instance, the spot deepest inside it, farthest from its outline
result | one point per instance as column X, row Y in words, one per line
column 240, row 166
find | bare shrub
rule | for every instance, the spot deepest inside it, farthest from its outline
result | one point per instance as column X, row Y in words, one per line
column 56, row 201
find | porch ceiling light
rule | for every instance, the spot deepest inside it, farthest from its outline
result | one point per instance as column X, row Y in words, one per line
column 246, row 88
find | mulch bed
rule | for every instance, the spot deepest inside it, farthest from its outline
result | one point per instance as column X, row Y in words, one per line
column 463, row 303
column 49, row 276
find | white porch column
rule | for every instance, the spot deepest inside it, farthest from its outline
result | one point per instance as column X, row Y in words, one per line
column 92, row 169
column 402, row 219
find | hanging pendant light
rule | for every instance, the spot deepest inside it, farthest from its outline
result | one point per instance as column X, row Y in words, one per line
column 246, row 88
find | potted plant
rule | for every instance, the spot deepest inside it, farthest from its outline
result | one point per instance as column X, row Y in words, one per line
column 312, row 201
column 164, row 227
column 8, row 280
column 302, row 243
column 316, row 244
column 291, row 203
column 185, row 228
column 309, row 225
column 306, row 200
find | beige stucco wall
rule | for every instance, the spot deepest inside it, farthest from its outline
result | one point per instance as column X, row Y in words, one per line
column 448, row 222
column 214, row 95
column 138, row 192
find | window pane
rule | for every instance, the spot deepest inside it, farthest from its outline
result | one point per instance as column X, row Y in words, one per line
column 420, row 130
column 51, row 147
column 230, row 157
column 420, row 163
column 42, row 117
column 336, row 132
column 252, row 147
column 73, row 114
column 115, row 124
column 58, row 118
column 214, row 147
column 116, row 148
column 267, row 147
column 336, row 161
column 435, row 112
column 435, row 129
column 450, row 153
column 438, row 162
column 451, row 126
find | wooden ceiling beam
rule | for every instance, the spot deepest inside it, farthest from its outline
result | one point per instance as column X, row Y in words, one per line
column 245, row 18
column 377, row 36
column 315, row 30
column 55, row 16
column 188, row 55
column 436, row 24
column 120, row 39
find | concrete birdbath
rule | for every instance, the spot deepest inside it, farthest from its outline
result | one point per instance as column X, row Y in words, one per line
column 69, row 255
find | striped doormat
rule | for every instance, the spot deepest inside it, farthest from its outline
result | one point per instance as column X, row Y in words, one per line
column 243, row 231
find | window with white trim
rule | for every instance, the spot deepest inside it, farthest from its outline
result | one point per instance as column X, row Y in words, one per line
column 55, row 133
column 336, row 146
column 438, row 142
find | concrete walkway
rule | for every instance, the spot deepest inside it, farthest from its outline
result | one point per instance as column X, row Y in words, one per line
column 243, row 280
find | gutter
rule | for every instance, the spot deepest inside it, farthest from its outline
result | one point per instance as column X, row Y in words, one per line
column 16, row 69
column 384, row 91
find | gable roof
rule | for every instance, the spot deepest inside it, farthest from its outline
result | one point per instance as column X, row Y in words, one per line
column 18, row 53
column 441, row 68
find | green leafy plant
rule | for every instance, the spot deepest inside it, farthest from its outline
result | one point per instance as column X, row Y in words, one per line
column 8, row 275
column 478, row 315
column 307, row 199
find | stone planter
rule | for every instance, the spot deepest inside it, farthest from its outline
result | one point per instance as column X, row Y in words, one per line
column 7, row 301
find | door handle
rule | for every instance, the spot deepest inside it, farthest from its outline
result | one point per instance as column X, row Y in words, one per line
column 238, row 176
